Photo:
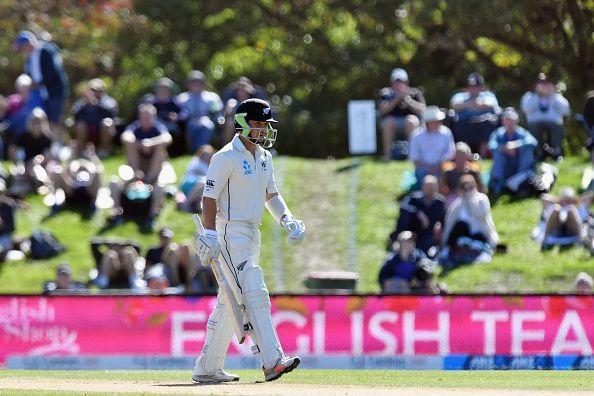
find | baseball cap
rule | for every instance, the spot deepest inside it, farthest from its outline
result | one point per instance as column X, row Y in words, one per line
column 196, row 75
column 511, row 113
column 475, row 80
column 97, row 84
column 164, row 82
column 23, row 37
column 399, row 74
column 542, row 78
column 63, row 268
column 166, row 232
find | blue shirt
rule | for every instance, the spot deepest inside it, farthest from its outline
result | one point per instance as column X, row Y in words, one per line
column 154, row 131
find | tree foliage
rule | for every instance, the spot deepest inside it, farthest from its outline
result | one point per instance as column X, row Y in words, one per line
column 313, row 56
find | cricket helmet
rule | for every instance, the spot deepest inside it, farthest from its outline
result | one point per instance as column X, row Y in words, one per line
column 255, row 110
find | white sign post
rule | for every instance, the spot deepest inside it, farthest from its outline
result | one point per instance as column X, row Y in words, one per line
column 361, row 115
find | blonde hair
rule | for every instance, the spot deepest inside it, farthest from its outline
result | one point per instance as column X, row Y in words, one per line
column 39, row 115
column 147, row 108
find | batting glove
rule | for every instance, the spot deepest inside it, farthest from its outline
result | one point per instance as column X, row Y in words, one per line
column 296, row 229
column 207, row 247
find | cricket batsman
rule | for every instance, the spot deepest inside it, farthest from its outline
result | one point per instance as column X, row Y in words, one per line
column 239, row 183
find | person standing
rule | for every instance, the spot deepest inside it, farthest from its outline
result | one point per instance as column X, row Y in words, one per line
column 50, row 82
column 239, row 183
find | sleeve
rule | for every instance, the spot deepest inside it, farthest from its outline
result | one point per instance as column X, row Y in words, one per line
column 528, row 104
column 457, row 99
column 562, row 105
column 451, row 146
column 414, row 151
column 493, row 144
column 491, row 100
column 418, row 96
column 218, row 174
column 271, row 187
column 386, row 270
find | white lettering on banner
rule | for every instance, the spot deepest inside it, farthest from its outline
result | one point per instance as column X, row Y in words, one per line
column 441, row 335
column 490, row 318
column 319, row 333
column 376, row 330
column 519, row 335
column 357, row 333
column 21, row 322
column 300, row 321
column 571, row 320
column 179, row 335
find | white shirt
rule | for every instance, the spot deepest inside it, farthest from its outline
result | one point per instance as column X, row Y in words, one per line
column 432, row 148
column 239, row 182
column 550, row 108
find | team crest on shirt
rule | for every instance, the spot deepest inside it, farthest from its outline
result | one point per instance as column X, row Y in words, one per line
column 247, row 169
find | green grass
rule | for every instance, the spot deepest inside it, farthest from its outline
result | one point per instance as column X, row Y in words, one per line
column 338, row 380
column 319, row 194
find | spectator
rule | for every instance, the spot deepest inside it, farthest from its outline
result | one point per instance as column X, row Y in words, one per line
column 80, row 179
column 563, row 218
column 240, row 90
column 400, row 267
column 94, row 116
column 476, row 110
column 175, row 259
column 544, row 109
column 583, row 283
column 63, row 282
column 192, row 186
column 117, row 262
column 462, row 165
column 432, row 145
column 32, row 154
column 158, row 283
column 19, row 108
column 44, row 66
column 8, row 207
column 400, row 107
column 513, row 152
column 201, row 109
column 469, row 233
column 145, row 142
column 168, row 111
column 422, row 212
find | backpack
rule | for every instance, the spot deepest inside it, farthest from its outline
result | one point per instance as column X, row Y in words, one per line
column 44, row 245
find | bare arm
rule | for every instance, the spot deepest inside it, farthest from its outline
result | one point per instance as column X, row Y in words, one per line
column 209, row 213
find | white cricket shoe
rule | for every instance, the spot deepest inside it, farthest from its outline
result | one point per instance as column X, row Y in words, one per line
column 219, row 376
column 282, row 366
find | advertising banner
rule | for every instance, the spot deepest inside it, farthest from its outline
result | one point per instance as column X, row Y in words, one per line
column 307, row 325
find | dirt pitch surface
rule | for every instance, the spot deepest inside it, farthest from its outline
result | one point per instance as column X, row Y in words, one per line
column 243, row 388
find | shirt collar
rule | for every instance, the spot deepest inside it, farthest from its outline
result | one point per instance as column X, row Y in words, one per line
column 238, row 145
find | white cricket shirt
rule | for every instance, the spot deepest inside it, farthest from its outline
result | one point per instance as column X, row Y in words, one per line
column 239, row 182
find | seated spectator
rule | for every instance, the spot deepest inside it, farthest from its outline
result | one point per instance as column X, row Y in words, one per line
column 432, row 145
column 201, row 109
column 400, row 267
column 469, row 233
column 158, row 283
column 8, row 207
column 19, row 108
column 544, row 109
column 476, row 110
column 176, row 259
column 462, row 165
column 94, row 116
column 192, row 186
column 584, row 283
column 513, row 152
column 240, row 90
column 562, row 218
column 400, row 107
column 168, row 111
column 32, row 154
column 145, row 142
column 63, row 282
column 80, row 179
column 422, row 212
column 117, row 264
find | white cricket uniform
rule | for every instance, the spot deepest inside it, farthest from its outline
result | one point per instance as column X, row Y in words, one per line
column 239, row 183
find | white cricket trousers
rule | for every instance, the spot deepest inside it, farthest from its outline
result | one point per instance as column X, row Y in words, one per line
column 240, row 253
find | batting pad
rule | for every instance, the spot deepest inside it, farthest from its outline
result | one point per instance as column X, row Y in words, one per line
column 219, row 330
column 257, row 305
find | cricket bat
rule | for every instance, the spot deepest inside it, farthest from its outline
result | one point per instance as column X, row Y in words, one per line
column 225, row 289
